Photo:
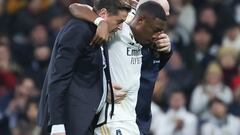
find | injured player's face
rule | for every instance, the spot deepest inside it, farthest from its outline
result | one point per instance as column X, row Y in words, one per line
column 150, row 27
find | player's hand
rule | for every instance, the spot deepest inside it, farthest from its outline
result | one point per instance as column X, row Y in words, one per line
column 102, row 34
column 162, row 42
column 119, row 95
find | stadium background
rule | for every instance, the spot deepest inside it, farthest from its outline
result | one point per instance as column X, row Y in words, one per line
column 205, row 37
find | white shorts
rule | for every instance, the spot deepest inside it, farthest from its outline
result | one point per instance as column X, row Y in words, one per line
column 118, row 128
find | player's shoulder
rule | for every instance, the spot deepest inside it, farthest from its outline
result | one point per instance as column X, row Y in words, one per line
column 79, row 26
column 125, row 27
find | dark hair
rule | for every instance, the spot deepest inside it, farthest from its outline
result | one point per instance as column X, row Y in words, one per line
column 21, row 79
column 153, row 9
column 216, row 100
column 178, row 91
column 112, row 6
column 202, row 26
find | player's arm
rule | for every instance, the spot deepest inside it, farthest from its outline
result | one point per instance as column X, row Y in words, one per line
column 85, row 12
column 163, row 47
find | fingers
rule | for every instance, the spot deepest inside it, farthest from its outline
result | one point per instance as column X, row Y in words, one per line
column 117, row 87
column 93, row 40
column 102, row 34
column 165, row 49
column 119, row 94
column 118, row 97
column 97, row 40
column 160, row 35
column 162, row 42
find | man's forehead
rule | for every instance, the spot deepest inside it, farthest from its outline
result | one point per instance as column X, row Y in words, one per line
column 163, row 3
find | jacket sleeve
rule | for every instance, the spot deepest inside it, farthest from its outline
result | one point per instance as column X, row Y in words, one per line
column 68, row 49
column 164, row 57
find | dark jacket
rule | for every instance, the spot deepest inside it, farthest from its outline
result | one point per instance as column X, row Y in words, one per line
column 73, row 87
column 151, row 65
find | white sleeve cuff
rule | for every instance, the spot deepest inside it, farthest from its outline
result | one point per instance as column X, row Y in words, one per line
column 58, row 129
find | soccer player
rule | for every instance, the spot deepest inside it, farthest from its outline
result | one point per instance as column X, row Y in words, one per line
column 125, row 64
column 151, row 64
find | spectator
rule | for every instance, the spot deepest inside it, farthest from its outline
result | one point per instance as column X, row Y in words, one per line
column 178, row 72
column 178, row 35
column 13, row 6
column 208, row 16
column 232, row 36
column 235, row 83
column 28, row 18
column 4, row 17
column 7, row 66
column 237, row 11
column 39, row 65
column 212, row 87
column 177, row 120
column 27, row 124
column 198, row 54
column 227, row 57
column 39, row 35
column 220, row 122
column 25, row 89
column 234, row 108
column 163, row 87
column 55, row 24
column 187, row 17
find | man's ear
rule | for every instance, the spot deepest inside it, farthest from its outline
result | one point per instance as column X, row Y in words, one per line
column 103, row 13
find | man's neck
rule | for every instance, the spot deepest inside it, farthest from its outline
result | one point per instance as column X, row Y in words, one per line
column 131, row 25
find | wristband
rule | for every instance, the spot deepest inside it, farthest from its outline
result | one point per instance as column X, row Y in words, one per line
column 98, row 20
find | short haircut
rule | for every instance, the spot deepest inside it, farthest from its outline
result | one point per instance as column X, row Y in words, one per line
column 112, row 6
column 216, row 100
column 177, row 92
column 153, row 9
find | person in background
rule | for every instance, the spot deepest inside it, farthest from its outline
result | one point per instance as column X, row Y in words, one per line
column 235, row 83
column 212, row 87
column 179, row 72
column 227, row 58
column 234, row 107
column 25, row 89
column 27, row 125
column 198, row 54
column 163, row 88
column 38, row 68
column 232, row 36
column 208, row 16
column 220, row 121
column 177, row 120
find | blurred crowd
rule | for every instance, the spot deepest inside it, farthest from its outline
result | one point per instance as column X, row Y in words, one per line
column 197, row 93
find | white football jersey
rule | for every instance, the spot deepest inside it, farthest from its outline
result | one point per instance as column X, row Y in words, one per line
column 125, row 60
